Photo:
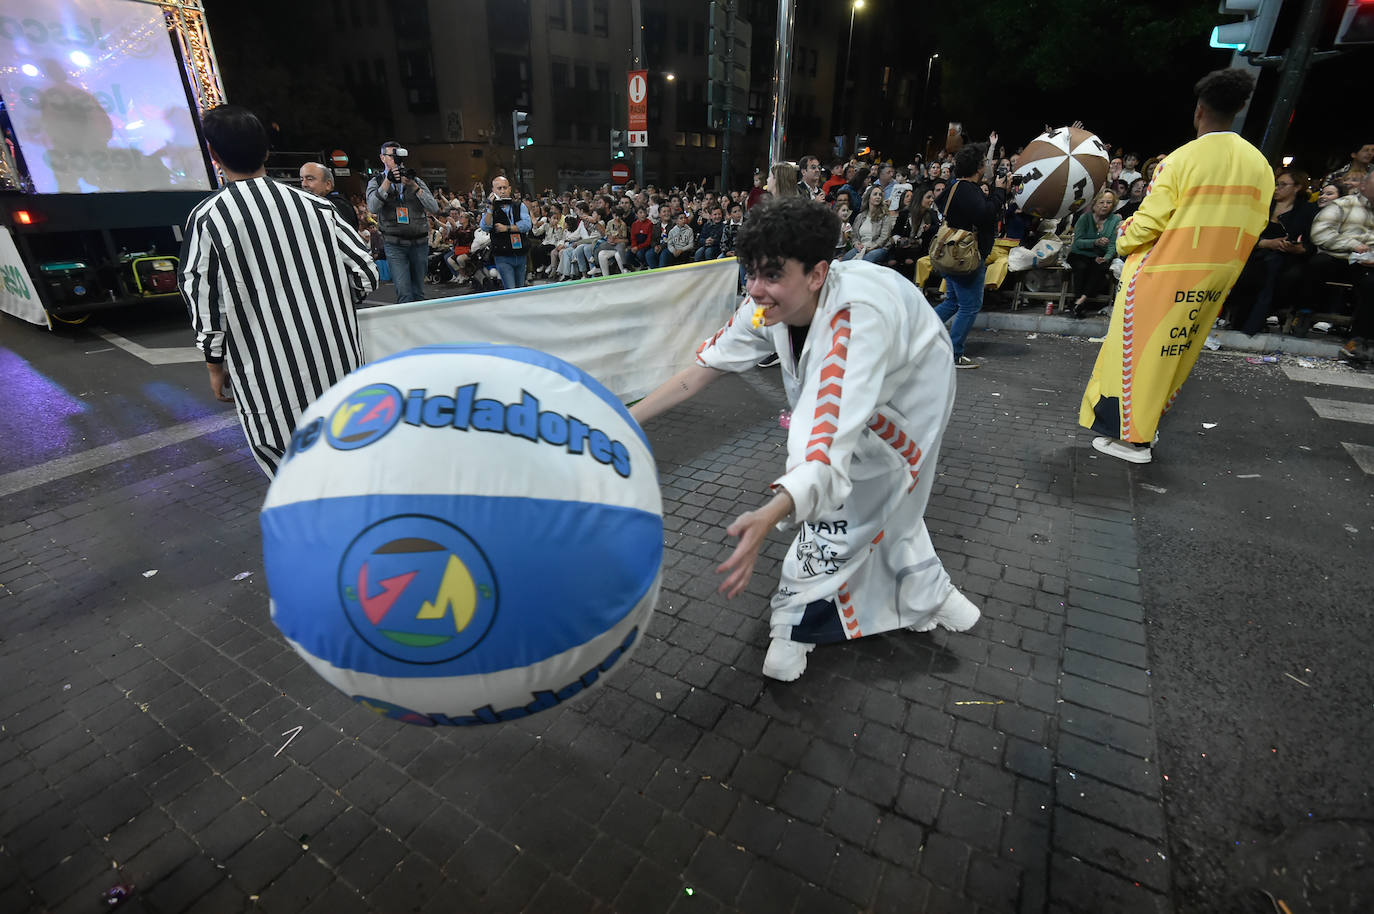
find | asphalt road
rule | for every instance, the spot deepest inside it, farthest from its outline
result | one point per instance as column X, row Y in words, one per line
column 1256, row 572
column 1256, row 538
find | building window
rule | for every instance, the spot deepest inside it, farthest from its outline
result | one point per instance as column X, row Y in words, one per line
column 558, row 74
column 710, row 141
column 562, row 131
column 558, row 14
column 601, row 18
column 379, row 66
column 581, row 78
column 695, row 139
column 698, row 39
column 603, row 79
column 579, row 16
column 681, row 42
column 679, row 139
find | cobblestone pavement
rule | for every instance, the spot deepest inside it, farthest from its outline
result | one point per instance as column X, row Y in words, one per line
column 1009, row 769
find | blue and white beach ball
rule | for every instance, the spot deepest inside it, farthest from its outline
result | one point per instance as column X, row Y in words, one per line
column 464, row 534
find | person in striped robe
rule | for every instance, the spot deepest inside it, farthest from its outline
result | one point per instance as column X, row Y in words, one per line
column 868, row 370
column 271, row 276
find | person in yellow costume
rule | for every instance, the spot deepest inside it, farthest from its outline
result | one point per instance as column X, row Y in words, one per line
column 1184, row 248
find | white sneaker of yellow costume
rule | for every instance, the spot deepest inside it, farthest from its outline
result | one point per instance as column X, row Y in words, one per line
column 957, row 614
column 786, row 659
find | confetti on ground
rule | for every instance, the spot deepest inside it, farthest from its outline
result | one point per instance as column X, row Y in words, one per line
column 150, row 572
column 1248, row 476
column 979, row 702
column 1158, row 490
column 1297, row 680
column 1209, row 425
column 243, row 575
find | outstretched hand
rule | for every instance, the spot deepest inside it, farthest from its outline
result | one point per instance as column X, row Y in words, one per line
column 751, row 528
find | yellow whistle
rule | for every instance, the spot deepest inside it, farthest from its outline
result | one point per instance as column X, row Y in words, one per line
column 758, row 316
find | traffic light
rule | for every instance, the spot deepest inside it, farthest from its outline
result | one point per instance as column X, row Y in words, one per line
column 618, row 144
column 1357, row 25
column 520, row 126
column 1251, row 35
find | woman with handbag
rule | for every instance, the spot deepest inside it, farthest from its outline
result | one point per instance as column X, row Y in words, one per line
column 966, row 211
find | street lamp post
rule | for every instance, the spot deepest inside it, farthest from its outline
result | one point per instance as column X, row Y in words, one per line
column 925, row 94
column 844, row 88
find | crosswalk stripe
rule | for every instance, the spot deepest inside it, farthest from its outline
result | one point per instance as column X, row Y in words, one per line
column 1363, row 454
column 1335, row 378
column 1343, row 410
column 105, row 454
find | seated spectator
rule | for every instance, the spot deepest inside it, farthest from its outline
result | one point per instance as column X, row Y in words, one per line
column 873, row 229
column 756, row 193
column 459, row 261
column 616, row 246
column 658, row 255
column 1137, row 194
column 1129, row 162
column 641, row 236
column 730, row 230
column 679, row 245
column 1353, row 174
column 1329, row 193
column 1277, row 263
column 544, row 230
column 853, row 190
column 709, row 238
column 912, row 232
column 1341, row 228
column 835, row 180
column 845, row 241
column 1093, row 249
column 577, row 235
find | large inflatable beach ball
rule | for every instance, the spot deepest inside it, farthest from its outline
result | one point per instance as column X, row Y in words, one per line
column 1062, row 169
column 464, row 534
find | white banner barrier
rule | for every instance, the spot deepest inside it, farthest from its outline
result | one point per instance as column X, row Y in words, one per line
column 630, row 332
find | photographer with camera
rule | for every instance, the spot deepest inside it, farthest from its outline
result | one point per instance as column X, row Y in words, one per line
column 507, row 220
column 401, row 202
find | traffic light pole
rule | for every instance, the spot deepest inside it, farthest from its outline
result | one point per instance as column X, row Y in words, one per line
column 1295, row 62
column 729, row 94
column 637, row 27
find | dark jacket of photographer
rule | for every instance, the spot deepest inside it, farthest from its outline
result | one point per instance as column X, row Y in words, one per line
column 972, row 209
column 400, row 200
column 509, row 213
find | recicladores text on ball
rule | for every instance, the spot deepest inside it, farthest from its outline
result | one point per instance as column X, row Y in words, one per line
column 464, row 410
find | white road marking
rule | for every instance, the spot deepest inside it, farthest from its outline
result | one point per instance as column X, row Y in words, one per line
column 1343, row 410
column 62, row 467
column 1363, row 454
column 1335, row 378
column 160, row 356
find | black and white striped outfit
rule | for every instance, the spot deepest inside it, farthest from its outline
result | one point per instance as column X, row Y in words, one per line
column 270, row 274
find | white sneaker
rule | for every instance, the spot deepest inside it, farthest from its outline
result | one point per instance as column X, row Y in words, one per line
column 957, row 614
column 786, row 659
column 1113, row 448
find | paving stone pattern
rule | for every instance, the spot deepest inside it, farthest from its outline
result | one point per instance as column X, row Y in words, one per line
column 1009, row 769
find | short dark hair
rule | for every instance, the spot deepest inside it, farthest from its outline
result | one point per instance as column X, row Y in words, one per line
column 788, row 228
column 968, row 159
column 389, row 143
column 236, row 137
column 805, row 161
column 1225, row 91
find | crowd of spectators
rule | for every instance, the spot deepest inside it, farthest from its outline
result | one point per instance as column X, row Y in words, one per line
column 1321, row 232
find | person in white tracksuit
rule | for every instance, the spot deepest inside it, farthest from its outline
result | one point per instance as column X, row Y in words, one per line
column 868, row 370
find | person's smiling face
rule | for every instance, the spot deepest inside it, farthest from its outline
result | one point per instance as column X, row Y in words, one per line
column 787, row 291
